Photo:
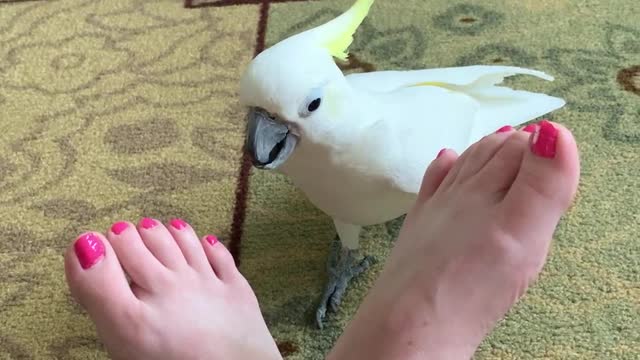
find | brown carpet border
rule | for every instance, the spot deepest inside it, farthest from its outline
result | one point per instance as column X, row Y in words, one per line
column 194, row 4
column 242, row 186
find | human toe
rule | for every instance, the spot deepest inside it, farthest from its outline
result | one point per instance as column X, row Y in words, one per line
column 144, row 269
column 483, row 152
column 496, row 176
column 95, row 277
column 189, row 244
column 161, row 243
column 220, row 258
column 547, row 180
column 475, row 156
column 436, row 172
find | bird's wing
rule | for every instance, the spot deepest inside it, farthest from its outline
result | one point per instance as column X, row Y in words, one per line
column 424, row 111
column 463, row 76
column 499, row 105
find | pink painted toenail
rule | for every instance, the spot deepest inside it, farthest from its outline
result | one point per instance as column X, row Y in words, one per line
column 506, row 128
column 211, row 239
column 544, row 142
column 89, row 249
column 529, row 128
column 118, row 227
column 148, row 223
column 179, row 224
column 441, row 153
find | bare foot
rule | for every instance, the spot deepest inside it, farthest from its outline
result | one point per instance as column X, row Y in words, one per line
column 476, row 239
column 186, row 300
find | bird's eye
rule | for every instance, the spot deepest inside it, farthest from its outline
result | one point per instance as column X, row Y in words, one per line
column 314, row 105
column 311, row 103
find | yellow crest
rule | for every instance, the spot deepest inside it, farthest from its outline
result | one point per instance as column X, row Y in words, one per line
column 337, row 35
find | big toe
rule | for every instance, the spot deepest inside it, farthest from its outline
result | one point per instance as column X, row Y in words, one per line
column 546, row 182
column 95, row 277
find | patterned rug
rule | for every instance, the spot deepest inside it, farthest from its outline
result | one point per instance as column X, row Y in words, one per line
column 119, row 109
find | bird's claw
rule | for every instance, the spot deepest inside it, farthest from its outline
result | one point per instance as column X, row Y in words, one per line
column 342, row 266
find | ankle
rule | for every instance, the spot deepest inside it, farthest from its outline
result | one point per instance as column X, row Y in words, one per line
column 409, row 329
column 430, row 334
column 444, row 340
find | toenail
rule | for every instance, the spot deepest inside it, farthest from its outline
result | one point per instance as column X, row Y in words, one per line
column 529, row 128
column 148, row 223
column 118, row 227
column 544, row 141
column 89, row 249
column 506, row 128
column 179, row 224
column 211, row 239
column 441, row 153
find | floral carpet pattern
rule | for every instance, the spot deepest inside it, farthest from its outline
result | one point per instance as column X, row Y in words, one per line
column 118, row 109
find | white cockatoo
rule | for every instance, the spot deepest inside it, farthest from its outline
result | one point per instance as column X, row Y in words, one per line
column 358, row 145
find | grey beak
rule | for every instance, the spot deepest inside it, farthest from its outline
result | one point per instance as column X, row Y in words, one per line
column 269, row 142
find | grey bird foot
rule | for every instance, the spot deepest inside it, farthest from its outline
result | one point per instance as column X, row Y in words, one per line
column 343, row 266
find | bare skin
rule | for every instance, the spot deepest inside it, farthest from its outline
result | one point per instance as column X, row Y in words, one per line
column 477, row 237
column 186, row 299
column 475, row 241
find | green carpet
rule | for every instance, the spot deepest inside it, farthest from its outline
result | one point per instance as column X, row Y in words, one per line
column 119, row 109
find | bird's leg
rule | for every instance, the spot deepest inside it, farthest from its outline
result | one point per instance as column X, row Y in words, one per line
column 344, row 264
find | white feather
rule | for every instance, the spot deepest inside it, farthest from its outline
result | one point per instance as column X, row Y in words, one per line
column 475, row 76
column 452, row 108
